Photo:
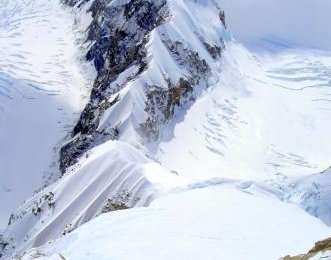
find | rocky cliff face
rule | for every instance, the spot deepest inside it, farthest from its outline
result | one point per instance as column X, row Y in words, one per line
column 122, row 36
column 119, row 34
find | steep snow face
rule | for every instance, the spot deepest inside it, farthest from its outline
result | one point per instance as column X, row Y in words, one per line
column 112, row 176
column 216, row 222
column 42, row 91
column 313, row 193
column 153, row 58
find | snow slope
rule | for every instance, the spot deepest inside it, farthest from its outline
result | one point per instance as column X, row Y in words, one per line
column 112, row 175
column 124, row 165
column 217, row 222
column 313, row 194
column 267, row 118
column 42, row 91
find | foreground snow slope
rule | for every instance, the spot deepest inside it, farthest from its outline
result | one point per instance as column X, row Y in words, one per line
column 215, row 222
column 42, row 91
column 113, row 175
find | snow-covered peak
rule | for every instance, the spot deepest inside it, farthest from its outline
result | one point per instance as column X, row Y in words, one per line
column 219, row 140
column 160, row 56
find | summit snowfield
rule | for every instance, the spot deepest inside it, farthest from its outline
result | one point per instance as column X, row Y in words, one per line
column 205, row 134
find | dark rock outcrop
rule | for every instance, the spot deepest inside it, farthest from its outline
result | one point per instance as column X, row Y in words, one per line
column 119, row 34
column 321, row 246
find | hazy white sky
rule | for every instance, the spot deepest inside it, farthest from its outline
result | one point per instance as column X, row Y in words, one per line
column 303, row 22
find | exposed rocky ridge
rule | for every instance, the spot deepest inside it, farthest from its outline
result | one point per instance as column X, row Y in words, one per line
column 111, row 178
column 321, row 250
column 119, row 33
column 161, row 102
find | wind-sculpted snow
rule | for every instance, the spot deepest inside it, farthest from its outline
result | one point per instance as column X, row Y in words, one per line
column 267, row 121
column 113, row 176
column 41, row 95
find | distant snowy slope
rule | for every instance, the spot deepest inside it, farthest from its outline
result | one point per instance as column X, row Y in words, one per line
column 42, row 92
column 267, row 117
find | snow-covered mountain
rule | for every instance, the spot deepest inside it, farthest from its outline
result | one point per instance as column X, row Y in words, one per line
column 220, row 146
column 321, row 250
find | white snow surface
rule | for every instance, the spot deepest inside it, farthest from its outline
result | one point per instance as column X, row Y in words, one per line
column 217, row 222
column 43, row 87
column 313, row 193
column 111, row 168
column 267, row 118
column 123, row 166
